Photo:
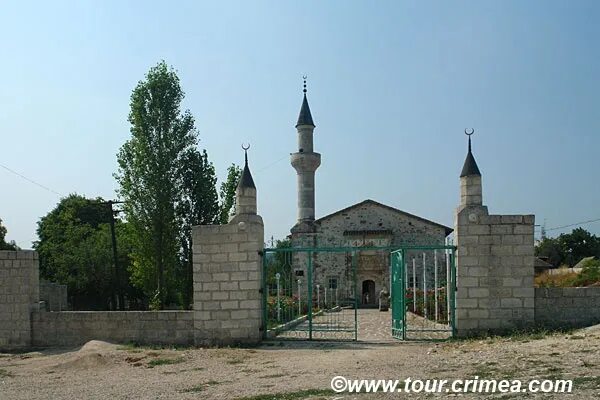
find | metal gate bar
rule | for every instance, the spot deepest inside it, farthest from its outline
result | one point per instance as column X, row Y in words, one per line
column 332, row 321
column 407, row 314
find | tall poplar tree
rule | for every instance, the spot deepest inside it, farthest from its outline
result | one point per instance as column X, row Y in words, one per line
column 166, row 183
column 227, row 194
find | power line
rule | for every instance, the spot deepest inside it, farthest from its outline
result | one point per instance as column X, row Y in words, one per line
column 271, row 164
column 261, row 169
column 570, row 225
column 31, row 180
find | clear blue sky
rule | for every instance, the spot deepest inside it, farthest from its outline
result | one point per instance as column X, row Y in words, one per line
column 392, row 86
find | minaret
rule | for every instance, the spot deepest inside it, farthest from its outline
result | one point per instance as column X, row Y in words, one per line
column 245, row 192
column 305, row 162
column 470, row 180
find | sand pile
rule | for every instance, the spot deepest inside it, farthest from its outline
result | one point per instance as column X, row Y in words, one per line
column 93, row 354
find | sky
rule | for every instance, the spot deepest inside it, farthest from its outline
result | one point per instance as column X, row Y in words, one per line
column 392, row 85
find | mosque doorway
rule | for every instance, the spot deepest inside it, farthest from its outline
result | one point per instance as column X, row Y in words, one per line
column 368, row 293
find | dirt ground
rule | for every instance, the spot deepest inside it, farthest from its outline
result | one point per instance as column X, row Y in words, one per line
column 100, row 370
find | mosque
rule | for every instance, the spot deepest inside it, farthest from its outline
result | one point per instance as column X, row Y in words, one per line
column 367, row 223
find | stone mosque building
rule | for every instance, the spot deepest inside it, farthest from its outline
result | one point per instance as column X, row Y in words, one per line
column 367, row 223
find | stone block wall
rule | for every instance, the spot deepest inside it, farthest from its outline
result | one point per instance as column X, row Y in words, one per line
column 364, row 224
column 567, row 307
column 228, row 281
column 74, row 328
column 495, row 270
column 19, row 294
column 53, row 295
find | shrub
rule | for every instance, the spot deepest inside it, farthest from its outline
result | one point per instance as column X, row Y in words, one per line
column 589, row 276
column 590, row 273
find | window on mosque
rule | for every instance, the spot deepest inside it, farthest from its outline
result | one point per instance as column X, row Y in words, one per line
column 333, row 282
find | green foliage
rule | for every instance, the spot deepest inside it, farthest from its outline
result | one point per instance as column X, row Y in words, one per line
column 280, row 262
column 167, row 184
column 4, row 245
column 569, row 248
column 75, row 249
column 227, row 193
column 590, row 273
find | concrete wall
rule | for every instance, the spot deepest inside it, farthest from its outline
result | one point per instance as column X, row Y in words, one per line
column 227, row 281
column 495, row 269
column 567, row 307
column 53, row 295
column 73, row 328
column 19, row 294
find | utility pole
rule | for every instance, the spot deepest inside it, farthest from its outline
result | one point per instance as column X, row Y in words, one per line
column 115, row 254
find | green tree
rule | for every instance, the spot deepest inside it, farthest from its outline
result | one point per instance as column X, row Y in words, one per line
column 167, row 186
column 4, row 245
column 579, row 244
column 551, row 248
column 75, row 249
column 569, row 248
column 227, row 193
column 198, row 205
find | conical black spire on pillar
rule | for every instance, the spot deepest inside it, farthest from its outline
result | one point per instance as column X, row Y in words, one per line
column 470, row 167
column 246, row 180
column 305, row 117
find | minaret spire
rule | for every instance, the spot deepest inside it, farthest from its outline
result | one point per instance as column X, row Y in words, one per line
column 305, row 117
column 246, row 178
column 245, row 192
column 470, row 166
column 471, row 193
column 305, row 161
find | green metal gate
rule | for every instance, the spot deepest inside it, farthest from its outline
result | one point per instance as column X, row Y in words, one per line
column 423, row 292
column 299, row 303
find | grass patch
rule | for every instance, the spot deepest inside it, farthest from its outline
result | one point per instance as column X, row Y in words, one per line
column 302, row 394
column 490, row 370
column 200, row 388
column 5, row 374
column 587, row 381
column 136, row 347
column 272, row 376
column 235, row 361
column 164, row 361
column 195, row 389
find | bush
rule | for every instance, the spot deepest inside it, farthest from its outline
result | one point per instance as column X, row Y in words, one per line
column 589, row 276
column 590, row 273
column 417, row 299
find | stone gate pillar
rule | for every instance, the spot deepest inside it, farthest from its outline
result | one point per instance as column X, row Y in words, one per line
column 495, row 263
column 19, row 296
column 228, row 274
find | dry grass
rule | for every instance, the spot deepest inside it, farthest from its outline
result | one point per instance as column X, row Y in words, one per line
column 556, row 280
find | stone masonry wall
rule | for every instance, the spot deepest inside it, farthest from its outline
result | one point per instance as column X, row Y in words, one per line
column 227, row 281
column 494, row 271
column 567, row 307
column 74, row 328
column 398, row 229
column 53, row 295
column 19, row 294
